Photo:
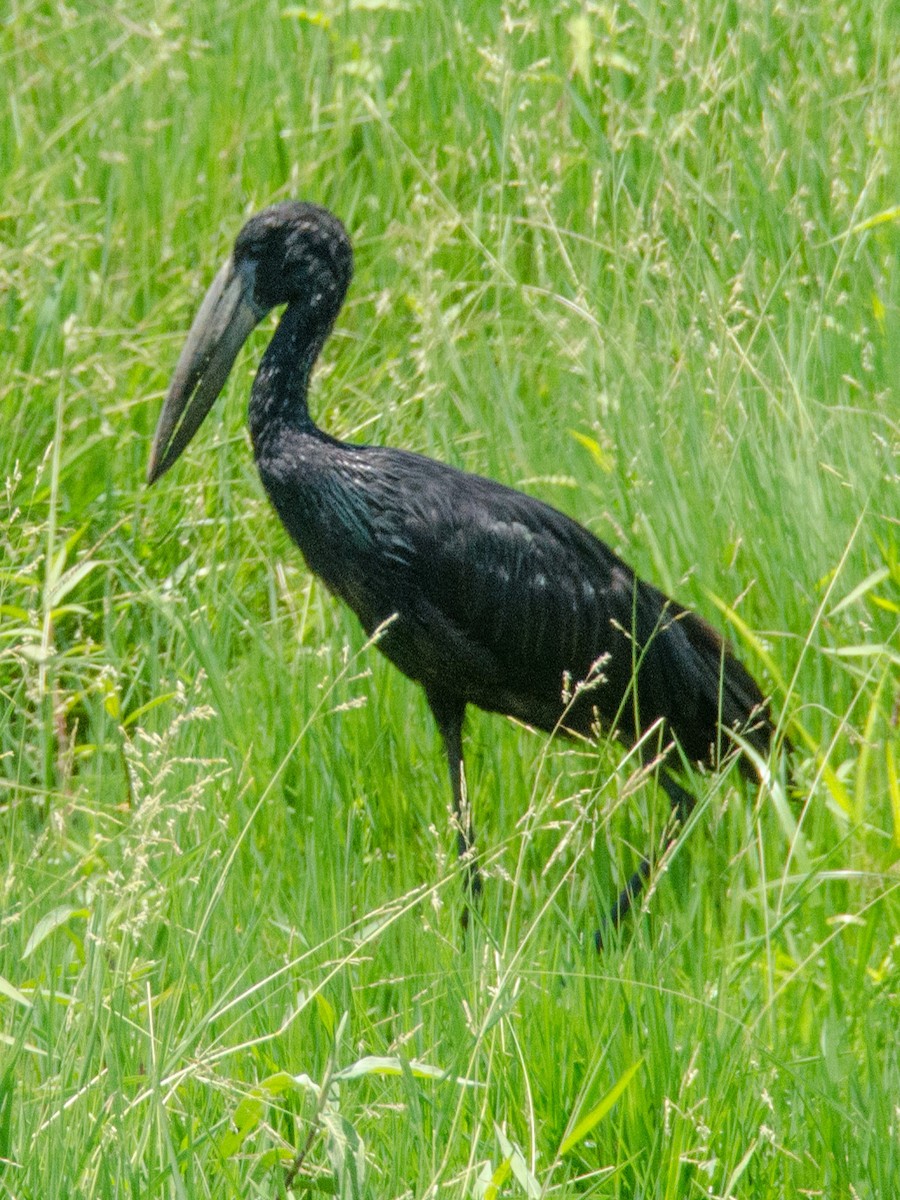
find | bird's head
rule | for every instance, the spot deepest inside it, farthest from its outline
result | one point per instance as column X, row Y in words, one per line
column 288, row 253
column 295, row 251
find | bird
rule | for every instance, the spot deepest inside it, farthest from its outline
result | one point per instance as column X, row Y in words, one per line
column 481, row 594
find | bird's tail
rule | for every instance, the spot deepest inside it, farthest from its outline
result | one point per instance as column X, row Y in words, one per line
column 729, row 698
column 711, row 704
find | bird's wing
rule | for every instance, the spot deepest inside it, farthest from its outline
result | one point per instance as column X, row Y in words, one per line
column 504, row 586
column 512, row 599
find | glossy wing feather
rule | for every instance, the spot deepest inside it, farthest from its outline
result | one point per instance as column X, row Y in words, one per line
column 500, row 600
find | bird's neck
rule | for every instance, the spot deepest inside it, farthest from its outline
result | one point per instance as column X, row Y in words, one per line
column 281, row 386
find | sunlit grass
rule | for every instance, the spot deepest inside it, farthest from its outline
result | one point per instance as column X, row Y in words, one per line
column 642, row 263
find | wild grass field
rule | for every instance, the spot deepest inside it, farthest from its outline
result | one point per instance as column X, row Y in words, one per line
column 639, row 260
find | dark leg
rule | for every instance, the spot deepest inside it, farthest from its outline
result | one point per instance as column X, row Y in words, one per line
column 448, row 712
column 682, row 806
column 626, row 899
column 680, row 798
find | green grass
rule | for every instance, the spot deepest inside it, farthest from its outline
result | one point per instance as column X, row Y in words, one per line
column 641, row 261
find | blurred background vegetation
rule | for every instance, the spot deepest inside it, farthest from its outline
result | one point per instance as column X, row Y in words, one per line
column 639, row 260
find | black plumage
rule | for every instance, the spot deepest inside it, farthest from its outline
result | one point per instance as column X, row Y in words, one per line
column 488, row 596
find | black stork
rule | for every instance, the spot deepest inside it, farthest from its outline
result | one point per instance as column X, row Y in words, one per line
column 486, row 596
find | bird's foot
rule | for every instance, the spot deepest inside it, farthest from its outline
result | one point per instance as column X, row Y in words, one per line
column 473, row 888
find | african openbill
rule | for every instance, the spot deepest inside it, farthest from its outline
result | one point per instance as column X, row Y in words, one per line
column 489, row 596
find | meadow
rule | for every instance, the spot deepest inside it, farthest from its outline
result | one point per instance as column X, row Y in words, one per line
column 639, row 260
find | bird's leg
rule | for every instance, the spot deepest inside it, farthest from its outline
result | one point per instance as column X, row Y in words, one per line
column 682, row 806
column 448, row 712
column 680, row 798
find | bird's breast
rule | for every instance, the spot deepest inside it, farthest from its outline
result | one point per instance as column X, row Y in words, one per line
column 334, row 519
